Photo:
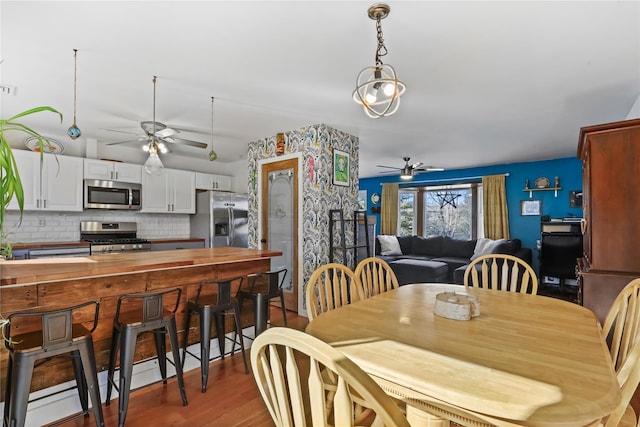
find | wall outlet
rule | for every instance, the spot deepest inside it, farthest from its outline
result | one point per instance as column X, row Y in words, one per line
column 41, row 221
column 8, row 89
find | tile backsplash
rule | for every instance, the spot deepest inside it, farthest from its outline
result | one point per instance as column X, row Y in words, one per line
column 65, row 226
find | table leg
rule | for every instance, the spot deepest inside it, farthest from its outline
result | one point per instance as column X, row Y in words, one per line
column 261, row 313
column 420, row 418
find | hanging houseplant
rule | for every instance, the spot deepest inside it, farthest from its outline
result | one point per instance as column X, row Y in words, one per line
column 10, row 183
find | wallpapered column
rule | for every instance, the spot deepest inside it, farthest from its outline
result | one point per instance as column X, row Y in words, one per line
column 316, row 143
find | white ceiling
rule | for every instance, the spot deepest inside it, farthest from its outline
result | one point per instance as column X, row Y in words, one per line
column 487, row 82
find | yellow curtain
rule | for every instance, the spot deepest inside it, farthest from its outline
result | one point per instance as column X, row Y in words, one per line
column 389, row 211
column 496, row 214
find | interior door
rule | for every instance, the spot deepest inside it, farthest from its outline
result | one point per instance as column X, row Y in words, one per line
column 279, row 195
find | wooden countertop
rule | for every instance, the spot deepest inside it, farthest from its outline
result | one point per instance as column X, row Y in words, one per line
column 38, row 245
column 35, row 271
column 190, row 239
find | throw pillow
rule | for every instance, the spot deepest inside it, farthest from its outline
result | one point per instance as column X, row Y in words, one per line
column 485, row 247
column 389, row 245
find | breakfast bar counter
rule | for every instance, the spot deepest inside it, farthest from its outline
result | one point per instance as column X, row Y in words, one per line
column 25, row 272
column 57, row 282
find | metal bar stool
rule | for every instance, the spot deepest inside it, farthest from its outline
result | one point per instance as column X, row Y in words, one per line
column 214, row 303
column 261, row 296
column 56, row 335
column 136, row 314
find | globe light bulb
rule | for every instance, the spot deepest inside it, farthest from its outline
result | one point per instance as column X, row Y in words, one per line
column 153, row 165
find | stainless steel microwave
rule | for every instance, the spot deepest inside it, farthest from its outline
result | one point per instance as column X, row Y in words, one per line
column 100, row 194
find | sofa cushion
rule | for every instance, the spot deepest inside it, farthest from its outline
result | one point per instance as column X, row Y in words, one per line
column 389, row 245
column 419, row 271
column 485, row 247
column 458, row 248
column 431, row 246
column 406, row 244
column 509, row 247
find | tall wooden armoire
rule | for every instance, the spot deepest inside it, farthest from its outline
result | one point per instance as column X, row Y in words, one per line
column 610, row 156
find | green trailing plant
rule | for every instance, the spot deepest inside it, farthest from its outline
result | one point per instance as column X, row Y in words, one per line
column 10, row 183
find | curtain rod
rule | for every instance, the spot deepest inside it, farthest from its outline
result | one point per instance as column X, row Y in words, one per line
column 463, row 178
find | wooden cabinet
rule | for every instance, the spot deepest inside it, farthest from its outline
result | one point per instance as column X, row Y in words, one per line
column 173, row 191
column 53, row 185
column 610, row 156
column 207, row 181
column 112, row 171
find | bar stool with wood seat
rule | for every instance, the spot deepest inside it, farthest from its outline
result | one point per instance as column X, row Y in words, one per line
column 214, row 301
column 54, row 335
column 137, row 314
column 261, row 295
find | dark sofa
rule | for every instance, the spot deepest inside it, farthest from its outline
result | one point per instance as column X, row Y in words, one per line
column 440, row 259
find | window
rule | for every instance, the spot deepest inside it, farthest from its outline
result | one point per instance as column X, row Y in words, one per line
column 452, row 210
column 406, row 213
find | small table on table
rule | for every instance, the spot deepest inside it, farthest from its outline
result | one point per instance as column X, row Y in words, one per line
column 526, row 360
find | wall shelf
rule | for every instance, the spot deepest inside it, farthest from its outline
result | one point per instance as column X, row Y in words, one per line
column 531, row 190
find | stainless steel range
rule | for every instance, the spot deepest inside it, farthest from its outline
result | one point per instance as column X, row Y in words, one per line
column 112, row 237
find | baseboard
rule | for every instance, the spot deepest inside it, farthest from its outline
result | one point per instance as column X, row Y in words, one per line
column 61, row 401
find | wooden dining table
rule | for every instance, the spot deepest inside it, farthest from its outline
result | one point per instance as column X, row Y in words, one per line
column 525, row 360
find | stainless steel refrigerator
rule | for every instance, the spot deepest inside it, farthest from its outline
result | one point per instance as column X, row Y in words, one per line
column 221, row 219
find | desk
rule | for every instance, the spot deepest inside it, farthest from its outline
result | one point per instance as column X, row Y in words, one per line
column 528, row 359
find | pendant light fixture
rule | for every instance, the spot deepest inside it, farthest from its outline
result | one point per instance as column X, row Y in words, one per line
column 153, row 165
column 212, row 153
column 377, row 87
column 74, row 130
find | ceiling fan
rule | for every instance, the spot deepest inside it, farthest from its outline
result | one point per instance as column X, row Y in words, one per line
column 408, row 171
column 157, row 135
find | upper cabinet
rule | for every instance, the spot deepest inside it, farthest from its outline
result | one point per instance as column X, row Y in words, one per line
column 171, row 192
column 54, row 185
column 207, row 181
column 112, row 171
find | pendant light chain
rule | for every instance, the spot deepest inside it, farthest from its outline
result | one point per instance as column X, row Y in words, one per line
column 212, row 154
column 75, row 81
column 74, row 131
column 382, row 49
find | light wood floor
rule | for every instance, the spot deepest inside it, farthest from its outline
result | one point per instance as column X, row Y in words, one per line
column 232, row 398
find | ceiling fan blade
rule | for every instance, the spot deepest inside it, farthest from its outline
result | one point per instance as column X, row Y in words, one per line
column 122, row 131
column 390, row 167
column 143, row 138
column 189, row 142
column 416, row 165
column 166, row 132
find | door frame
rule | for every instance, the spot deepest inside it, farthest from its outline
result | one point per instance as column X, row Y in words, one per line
column 300, row 230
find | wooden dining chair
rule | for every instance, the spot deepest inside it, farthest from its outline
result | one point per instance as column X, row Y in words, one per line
column 288, row 366
column 501, row 272
column 330, row 286
column 621, row 328
column 376, row 276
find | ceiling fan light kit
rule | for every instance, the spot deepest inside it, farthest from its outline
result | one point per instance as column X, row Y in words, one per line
column 74, row 130
column 378, row 88
column 153, row 165
column 408, row 171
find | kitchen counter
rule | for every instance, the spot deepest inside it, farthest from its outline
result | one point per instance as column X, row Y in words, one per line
column 187, row 240
column 31, row 272
column 40, row 245
column 54, row 282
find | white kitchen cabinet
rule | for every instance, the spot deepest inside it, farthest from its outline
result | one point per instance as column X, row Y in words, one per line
column 173, row 191
column 54, row 185
column 208, row 181
column 112, row 171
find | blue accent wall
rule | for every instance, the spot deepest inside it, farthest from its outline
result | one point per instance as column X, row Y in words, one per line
column 525, row 228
